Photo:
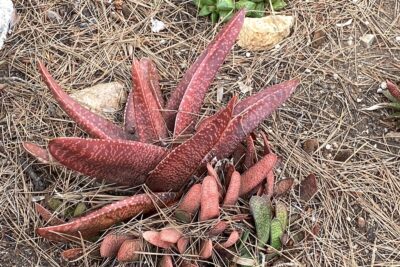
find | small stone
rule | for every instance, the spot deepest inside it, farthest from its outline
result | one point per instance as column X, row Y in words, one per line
column 328, row 147
column 359, row 100
column 248, row 54
column 367, row 40
column 310, row 146
column 244, row 88
column 348, row 219
column 163, row 41
column 361, row 222
column 335, row 76
column 277, row 47
column 307, row 71
column 398, row 38
column 383, row 85
column 379, row 90
column 350, row 41
column 157, row 25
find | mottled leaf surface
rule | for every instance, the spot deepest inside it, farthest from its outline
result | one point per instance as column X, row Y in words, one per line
column 115, row 161
column 175, row 169
column 196, row 90
column 107, row 216
column 149, row 123
column 95, row 125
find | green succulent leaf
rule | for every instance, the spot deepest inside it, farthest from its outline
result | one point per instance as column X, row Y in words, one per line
column 243, row 250
column 208, row 2
column 54, row 203
column 246, row 4
column 395, row 106
column 214, row 17
column 225, row 5
column 278, row 4
column 389, row 96
column 276, row 234
column 260, row 208
column 79, row 209
column 224, row 16
column 197, row 3
column 204, row 11
column 281, row 214
column 258, row 11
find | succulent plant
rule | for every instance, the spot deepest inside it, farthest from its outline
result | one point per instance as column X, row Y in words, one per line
column 142, row 153
column 224, row 9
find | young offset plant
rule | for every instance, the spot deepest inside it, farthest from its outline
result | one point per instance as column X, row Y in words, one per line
column 140, row 152
column 224, row 9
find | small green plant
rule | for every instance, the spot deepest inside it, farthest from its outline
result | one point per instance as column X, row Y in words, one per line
column 224, row 9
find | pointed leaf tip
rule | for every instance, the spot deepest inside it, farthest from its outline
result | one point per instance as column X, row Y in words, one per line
column 93, row 124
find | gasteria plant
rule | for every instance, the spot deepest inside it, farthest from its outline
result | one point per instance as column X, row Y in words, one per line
column 224, row 9
column 141, row 154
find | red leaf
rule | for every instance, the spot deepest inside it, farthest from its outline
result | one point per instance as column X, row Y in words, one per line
column 39, row 153
column 256, row 174
column 189, row 204
column 72, row 254
column 149, row 123
column 153, row 237
column 47, row 215
column 393, row 90
column 182, row 244
column 166, row 261
column 308, row 187
column 232, row 194
column 111, row 244
column 116, row 161
column 192, row 73
column 151, row 75
column 95, row 125
column 206, row 249
column 175, row 169
column 282, row 186
column 209, row 205
column 107, row 216
column 129, row 250
column 232, row 239
column 250, row 112
column 171, row 235
column 250, row 158
column 196, row 89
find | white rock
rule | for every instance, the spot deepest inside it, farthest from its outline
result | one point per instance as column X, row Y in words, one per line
column 248, row 54
column 335, row 76
column 157, row 25
column 379, row 91
column 102, row 98
column 244, row 88
column 6, row 15
column 328, row 146
column 307, row 71
column 359, row 100
column 383, row 85
column 367, row 39
column 398, row 38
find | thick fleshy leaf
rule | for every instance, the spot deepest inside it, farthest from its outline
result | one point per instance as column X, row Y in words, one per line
column 39, row 153
column 283, row 186
column 111, row 244
column 47, row 215
column 250, row 157
column 394, row 90
column 189, row 205
column 107, row 216
column 261, row 210
column 115, row 161
column 209, row 204
column 153, row 78
column 203, row 76
column 177, row 95
column 149, row 123
column 154, row 238
column 72, row 254
column 232, row 239
column 95, row 125
column 129, row 250
column 249, row 114
column 256, row 174
column 175, row 169
column 232, row 193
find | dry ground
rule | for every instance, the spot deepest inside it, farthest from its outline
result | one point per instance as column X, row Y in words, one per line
column 91, row 46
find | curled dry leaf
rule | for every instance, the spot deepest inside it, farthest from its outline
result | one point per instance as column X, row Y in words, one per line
column 283, row 186
column 264, row 33
column 308, row 187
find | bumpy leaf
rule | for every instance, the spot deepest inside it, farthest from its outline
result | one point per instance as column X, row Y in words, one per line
column 129, row 250
column 249, row 113
column 107, row 216
column 149, row 123
column 92, row 123
column 276, row 234
column 204, row 74
column 256, row 174
column 281, row 213
column 232, row 193
column 283, row 186
column 209, row 205
column 394, row 90
column 175, row 169
column 111, row 244
column 189, row 204
column 116, row 161
column 260, row 208
column 39, row 153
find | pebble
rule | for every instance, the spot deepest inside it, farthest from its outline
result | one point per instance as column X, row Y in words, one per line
column 248, row 54
column 163, row 41
column 398, row 38
column 335, row 76
column 361, row 222
column 307, row 71
column 367, row 40
column 383, row 85
column 328, row 147
column 379, row 90
column 359, row 100
column 350, row 41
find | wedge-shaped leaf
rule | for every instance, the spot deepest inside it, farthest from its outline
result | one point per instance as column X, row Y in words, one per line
column 153, row 78
column 116, row 161
column 107, row 216
column 261, row 210
column 149, row 123
column 196, row 89
column 130, row 250
column 250, row 112
column 47, row 215
column 209, row 205
column 95, row 125
column 39, row 153
column 175, row 169
column 111, row 244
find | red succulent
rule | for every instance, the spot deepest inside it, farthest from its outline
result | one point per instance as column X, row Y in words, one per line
column 118, row 156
